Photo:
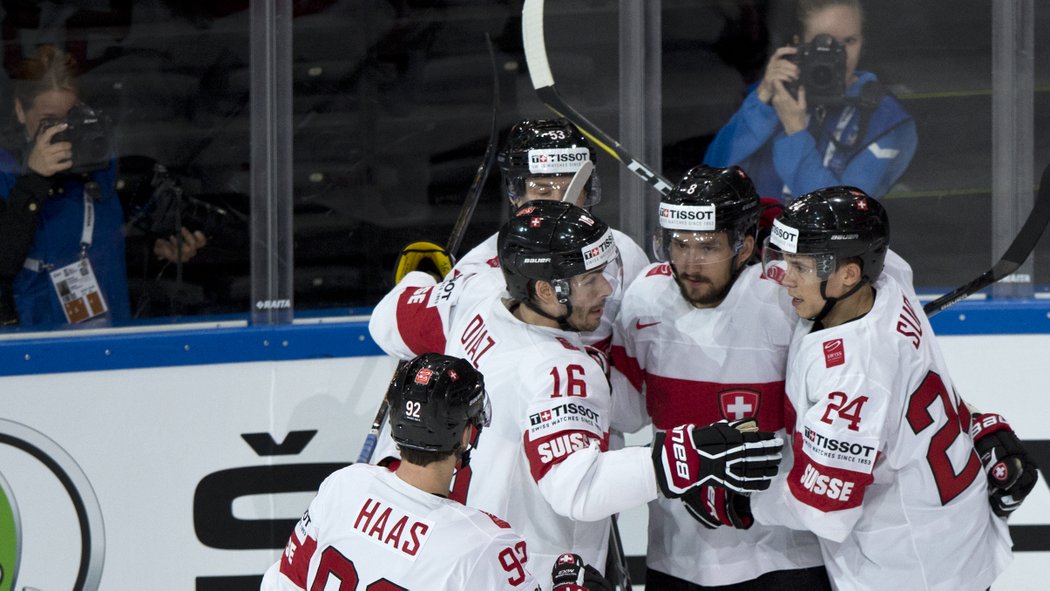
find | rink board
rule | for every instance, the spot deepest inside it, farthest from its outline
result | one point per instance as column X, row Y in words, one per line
column 182, row 458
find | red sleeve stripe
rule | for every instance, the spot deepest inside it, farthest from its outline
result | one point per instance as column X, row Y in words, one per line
column 295, row 562
column 547, row 452
column 822, row 487
column 419, row 325
column 628, row 366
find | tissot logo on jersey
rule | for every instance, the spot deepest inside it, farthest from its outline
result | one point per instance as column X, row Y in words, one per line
column 854, row 454
column 392, row 528
column 567, row 410
column 784, row 237
column 687, row 217
column 599, row 253
column 557, row 160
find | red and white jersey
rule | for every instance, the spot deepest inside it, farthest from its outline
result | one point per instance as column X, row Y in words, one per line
column 543, row 463
column 483, row 258
column 882, row 466
column 367, row 526
column 700, row 366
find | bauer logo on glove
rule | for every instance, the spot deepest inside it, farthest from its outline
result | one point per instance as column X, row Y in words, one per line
column 733, row 455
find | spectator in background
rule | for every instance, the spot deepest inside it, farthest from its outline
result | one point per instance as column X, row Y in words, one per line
column 61, row 236
column 798, row 130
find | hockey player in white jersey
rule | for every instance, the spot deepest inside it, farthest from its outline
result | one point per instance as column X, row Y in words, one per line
column 372, row 528
column 703, row 336
column 539, row 161
column 545, row 465
column 883, row 467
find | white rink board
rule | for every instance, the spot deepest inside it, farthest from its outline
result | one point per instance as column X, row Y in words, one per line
column 146, row 438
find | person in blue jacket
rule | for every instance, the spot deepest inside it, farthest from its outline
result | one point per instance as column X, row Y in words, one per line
column 790, row 147
column 61, row 232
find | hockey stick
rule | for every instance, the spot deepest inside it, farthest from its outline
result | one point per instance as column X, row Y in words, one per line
column 455, row 239
column 543, row 82
column 572, row 192
column 1019, row 249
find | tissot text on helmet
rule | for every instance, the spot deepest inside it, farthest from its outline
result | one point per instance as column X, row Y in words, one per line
column 784, row 237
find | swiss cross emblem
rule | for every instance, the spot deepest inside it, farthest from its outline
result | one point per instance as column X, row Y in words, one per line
column 535, row 222
column 738, row 404
column 452, row 375
column 999, row 472
column 545, row 415
column 423, row 376
column 862, row 205
column 594, row 251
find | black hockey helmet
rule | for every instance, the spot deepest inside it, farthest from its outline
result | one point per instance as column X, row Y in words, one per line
column 545, row 147
column 552, row 241
column 833, row 225
column 708, row 199
column 432, row 399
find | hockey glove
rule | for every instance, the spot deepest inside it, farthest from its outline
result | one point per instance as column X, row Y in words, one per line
column 571, row 574
column 714, row 506
column 1011, row 474
column 423, row 256
column 716, row 455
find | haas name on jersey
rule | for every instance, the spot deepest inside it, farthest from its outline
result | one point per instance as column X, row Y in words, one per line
column 563, row 445
column 391, row 527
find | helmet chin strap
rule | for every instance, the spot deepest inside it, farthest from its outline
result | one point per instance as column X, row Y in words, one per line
column 829, row 302
column 563, row 321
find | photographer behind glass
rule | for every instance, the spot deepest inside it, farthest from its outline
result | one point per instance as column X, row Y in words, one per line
column 814, row 120
column 61, row 223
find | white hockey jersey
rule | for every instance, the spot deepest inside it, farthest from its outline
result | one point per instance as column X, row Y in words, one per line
column 368, row 529
column 542, row 464
column 700, row 366
column 484, row 258
column 882, row 466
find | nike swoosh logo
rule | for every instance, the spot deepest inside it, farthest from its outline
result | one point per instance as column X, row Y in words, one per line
column 639, row 326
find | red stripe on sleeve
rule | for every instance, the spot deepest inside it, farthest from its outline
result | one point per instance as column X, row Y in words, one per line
column 296, row 559
column 822, row 487
column 418, row 324
column 628, row 366
column 546, row 452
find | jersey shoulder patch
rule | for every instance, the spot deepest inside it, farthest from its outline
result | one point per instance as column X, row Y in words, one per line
column 499, row 522
column 659, row 269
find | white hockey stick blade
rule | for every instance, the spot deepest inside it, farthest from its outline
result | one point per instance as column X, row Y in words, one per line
column 579, row 180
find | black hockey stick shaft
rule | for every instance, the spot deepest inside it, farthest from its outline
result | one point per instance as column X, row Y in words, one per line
column 543, row 83
column 455, row 239
column 1022, row 246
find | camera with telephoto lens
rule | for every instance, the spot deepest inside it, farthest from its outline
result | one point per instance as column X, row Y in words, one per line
column 89, row 133
column 822, row 71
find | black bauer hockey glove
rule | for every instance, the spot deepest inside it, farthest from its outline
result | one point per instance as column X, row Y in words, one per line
column 714, row 506
column 731, row 455
column 1011, row 474
column 571, row 574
